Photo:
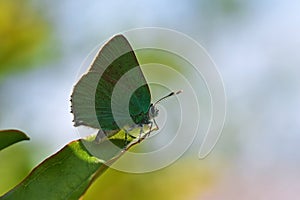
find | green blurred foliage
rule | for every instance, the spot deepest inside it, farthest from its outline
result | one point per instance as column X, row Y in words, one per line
column 185, row 179
column 225, row 8
column 25, row 36
column 15, row 164
column 9, row 137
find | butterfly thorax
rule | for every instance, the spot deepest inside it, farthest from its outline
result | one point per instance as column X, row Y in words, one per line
column 142, row 118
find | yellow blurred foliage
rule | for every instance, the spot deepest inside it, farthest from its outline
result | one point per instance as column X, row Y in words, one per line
column 24, row 32
column 185, row 179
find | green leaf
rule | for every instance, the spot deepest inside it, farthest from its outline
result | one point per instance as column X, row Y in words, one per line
column 65, row 175
column 9, row 137
column 69, row 173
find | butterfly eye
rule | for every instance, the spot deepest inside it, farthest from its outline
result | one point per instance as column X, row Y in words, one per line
column 156, row 112
column 152, row 110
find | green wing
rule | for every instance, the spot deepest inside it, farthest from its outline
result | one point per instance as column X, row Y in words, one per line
column 113, row 91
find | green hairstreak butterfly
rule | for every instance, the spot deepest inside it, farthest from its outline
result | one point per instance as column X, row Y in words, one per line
column 94, row 100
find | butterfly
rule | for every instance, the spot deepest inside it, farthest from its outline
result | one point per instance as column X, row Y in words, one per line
column 96, row 104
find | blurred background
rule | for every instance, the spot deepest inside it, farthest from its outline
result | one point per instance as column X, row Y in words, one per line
column 254, row 44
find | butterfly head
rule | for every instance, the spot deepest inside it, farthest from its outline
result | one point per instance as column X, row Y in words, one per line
column 153, row 111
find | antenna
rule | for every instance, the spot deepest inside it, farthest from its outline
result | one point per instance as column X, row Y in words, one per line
column 169, row 95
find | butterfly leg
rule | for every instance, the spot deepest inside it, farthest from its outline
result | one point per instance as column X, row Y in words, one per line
column 151, row 125
column 154, row 124
column 128, row 134
column 126, row 137
column 140, row 134
column 101, row 135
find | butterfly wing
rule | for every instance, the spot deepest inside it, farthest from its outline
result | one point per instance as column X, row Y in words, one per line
column 113, row 90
